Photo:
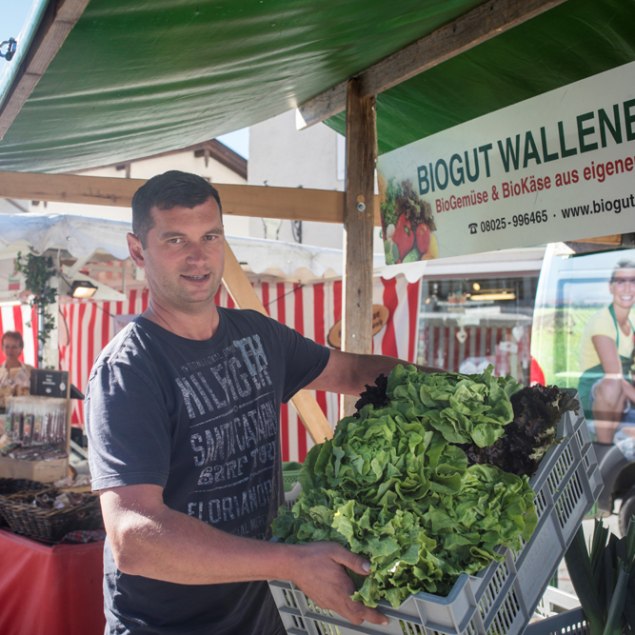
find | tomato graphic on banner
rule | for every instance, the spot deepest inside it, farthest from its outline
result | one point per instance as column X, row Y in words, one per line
column 407, row 223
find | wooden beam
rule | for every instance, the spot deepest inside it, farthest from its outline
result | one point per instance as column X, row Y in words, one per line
column 243, row 294
column 242, row 200
column 482, row 23
column 361, row 156
column 282, row 202
column 326, row 206
column 59, row 19
column 69, row 188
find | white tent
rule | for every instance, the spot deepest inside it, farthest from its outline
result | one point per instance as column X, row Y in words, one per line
column 81, row 239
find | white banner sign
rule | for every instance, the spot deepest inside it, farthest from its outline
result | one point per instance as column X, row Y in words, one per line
column 560, row 166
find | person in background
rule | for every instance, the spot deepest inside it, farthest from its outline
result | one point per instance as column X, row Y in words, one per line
column 15, row 376
column 606, row 387
column 184, row 444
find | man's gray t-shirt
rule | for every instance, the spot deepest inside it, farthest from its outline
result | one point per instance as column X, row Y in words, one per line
column 200, row 419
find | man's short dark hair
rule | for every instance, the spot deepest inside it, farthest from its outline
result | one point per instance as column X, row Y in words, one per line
column 165, row 191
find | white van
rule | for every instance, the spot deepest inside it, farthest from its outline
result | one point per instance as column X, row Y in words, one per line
column 583, row 337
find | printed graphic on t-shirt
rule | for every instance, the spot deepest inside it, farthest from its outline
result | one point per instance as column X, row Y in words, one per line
column 233, row 417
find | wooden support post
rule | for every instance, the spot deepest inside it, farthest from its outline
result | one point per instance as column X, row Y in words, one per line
column 239, row 287
column 361, row 155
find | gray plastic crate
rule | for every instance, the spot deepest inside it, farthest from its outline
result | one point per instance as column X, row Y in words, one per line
column 502, row 598
column 570, row 622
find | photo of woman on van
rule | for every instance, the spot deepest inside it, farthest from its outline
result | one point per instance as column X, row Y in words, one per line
column 606, row 388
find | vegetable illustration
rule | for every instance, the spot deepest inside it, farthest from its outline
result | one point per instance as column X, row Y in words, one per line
column 403, row 236
column 433, row 249
column 411, row 256
column 407, row 220
column 422, row 237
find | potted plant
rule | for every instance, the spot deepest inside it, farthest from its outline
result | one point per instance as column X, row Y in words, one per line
column 38, row 272
column 604, row 579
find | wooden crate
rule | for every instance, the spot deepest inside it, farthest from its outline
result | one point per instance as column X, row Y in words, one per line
column 41, row 471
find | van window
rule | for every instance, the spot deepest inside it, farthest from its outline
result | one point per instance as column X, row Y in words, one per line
column 583, row 336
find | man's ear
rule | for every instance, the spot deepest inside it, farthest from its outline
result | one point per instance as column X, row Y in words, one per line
column 135, row 248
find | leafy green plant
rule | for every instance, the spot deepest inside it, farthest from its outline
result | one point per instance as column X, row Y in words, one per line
column 394, row 485
column 604, row 579
column 38, row 272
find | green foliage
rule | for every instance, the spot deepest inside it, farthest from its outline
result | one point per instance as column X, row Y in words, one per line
column 392, row 484
column 401, row 198
column 38, row 272
column 463, row 408
column 604, row 579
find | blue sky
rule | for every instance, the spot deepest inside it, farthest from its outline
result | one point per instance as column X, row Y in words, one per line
column 15, row 15
column 238, row 141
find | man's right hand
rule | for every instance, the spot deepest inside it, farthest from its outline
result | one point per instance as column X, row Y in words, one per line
column 321, row 574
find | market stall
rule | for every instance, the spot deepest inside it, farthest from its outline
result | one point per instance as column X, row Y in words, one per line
column 434, row 68
column 50, row 590
column 51, row 529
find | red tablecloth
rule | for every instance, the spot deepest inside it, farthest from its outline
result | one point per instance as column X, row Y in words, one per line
column 50, row 590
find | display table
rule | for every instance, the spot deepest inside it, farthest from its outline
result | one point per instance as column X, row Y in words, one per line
column 50, row 590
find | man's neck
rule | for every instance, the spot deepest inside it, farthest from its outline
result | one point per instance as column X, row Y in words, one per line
column 193, row 326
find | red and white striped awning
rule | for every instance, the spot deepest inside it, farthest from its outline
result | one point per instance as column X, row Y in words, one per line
column 86, row 327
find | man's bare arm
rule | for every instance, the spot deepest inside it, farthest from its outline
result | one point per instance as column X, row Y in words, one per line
column 150, row 539
column 350, row 373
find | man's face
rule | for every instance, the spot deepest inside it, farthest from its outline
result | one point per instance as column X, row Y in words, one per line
column 11, row 348
column 623, row 288
column 183, row 257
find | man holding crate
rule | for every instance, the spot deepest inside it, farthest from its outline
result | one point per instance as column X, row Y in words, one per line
column 183, row 417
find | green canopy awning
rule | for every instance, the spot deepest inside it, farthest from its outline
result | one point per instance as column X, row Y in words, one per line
column 139, row 77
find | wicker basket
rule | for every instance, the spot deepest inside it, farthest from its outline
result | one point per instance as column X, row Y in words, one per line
column 9, row 486
column 33, row 515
